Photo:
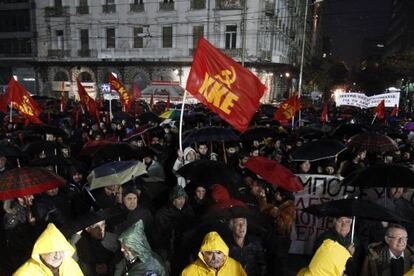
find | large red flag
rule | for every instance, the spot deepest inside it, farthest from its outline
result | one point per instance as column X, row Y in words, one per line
column 87, row 101
column 394, row 111
column 21, row 100
column 4, row 102
column 224, row 86
column 122, row 91
column 324, row 115
column 380, row 110
column 288, row 109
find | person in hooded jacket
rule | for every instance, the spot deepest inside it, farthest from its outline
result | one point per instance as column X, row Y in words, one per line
column 139, row 259
column 51, row 256
column 213, row 259
column 189, row 155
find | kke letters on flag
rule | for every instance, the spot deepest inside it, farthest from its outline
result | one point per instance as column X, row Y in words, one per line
column 224, row 86
column 23, row 102
column 123, row 93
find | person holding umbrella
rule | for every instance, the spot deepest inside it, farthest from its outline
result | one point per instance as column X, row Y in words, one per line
column 391, row 257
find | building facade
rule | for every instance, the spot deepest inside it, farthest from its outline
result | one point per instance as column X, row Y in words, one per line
column 400, row 35
column 143, row 41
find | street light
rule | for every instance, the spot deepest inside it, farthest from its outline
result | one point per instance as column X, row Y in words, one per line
column 303, row 49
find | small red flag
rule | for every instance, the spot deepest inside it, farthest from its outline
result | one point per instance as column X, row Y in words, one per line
column 151, row 103
column 224, row 86
column 288, row 109
column 122, row 91
column 135, row 92
column 4, row 102
column 324, row 115
column 380, row 110
column 394, row 111
column 23, row 102
column 168, row 104
column 87, row 101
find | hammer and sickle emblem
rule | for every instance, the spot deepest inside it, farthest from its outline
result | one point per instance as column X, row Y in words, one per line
column 226, row 76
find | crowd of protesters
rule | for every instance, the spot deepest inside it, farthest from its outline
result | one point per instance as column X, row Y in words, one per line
column 164, row 224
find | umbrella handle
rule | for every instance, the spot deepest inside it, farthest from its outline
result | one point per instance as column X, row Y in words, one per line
column 353, row 230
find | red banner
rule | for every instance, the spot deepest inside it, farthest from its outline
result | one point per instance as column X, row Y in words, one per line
column 288, row 109
column 122, row 91
column 21, row 100
column 224, row 86
column 87, row 101
column 380, row 110
column 324, row 115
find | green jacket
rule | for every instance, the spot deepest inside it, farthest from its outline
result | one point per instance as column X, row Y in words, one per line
column 149, row 263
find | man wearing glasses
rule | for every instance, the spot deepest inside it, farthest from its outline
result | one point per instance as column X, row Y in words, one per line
column 393, row 257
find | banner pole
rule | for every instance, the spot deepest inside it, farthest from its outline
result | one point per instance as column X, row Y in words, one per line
column 373, row 120
column 180, row 134
column 11, row 113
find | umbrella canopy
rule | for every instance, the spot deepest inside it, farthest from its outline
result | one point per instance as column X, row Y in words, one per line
column 115, row 173
column 112, row 152
column 258, row 133
column 409, row 126
column 45, row 129
column 149, row 117
column 25, row 181
column 372, row 142
column 382, row 175
column 35, row 148
column 173, row 114
column 207, row 172
column 348, row 130
column 359, row 208
column 274, row 173
column 90, row 147
column 50, row 160
column 318, row 150
column 10, row 150
column 210, row 134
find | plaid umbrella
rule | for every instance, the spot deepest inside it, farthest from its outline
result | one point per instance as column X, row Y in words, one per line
column 115, row 173
column 372, row 142
column 25, row 181
column 274, row 173
column 210, row 134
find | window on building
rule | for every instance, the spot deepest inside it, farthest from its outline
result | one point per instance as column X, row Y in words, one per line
column 138, row 37
column 167, row 38
column 84, row 39
column 59, row 39
column 231, row 36
column 138, row 2
column 110, row 38
column 83, row 3
column 58, row 3
column 198, row 31
column 110, row 2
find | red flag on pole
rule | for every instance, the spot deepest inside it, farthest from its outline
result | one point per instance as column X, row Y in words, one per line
column 151, row 103
column 324, row 115
column 135, row 92
column 21, row 100
column 4, row 102
column 122, row 91
column 224, row 86
column 168, row 104
column 288, row 109
column 394, row 111
column 380, row 110
column 87, row 101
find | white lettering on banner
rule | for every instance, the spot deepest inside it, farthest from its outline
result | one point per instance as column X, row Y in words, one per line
column 362, row 101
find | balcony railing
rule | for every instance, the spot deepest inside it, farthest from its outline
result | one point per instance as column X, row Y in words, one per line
column 235, row 52
column 109, row 8
column 84, row 52
column 58, row 53
column 82, row 10
column 166, row 6
column 136, row 8
column 56, row 11
column 198, row 4
column 229, row 5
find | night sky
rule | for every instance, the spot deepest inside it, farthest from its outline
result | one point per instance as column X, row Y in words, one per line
column 348, row 22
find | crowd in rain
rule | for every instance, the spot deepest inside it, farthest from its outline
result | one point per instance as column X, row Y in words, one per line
column 120, row 197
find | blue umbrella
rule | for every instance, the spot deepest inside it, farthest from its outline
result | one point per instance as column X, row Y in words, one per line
column 115, row 173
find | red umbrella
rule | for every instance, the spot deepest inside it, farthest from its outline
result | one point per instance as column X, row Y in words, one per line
column 274, row 173
column 26, row 181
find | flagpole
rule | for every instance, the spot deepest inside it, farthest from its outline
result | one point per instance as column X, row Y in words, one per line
column 110, row 108
column 293, row 122
column 11, row 113
column 373, row 120
column 180, row 134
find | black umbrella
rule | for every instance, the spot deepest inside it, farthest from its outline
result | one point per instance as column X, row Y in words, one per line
column 208, row 172
column 358, row 208
column 35, row 148
column 149, row 117
column 348, row 130
column 210, row 134
column 51, row 160
column 10, row 150
column 318, row 150
column 372, row 142
column 258, row 133
column 382, row 175
column 45, row 129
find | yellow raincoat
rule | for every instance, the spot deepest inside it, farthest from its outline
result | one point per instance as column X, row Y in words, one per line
column 213, row 242
column 329, row 260
column 410, row 272
column 50, row 240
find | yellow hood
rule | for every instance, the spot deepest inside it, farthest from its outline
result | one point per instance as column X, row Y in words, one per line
column 213, row 242
column 329, row 260
column 410, row 272
column 51, row 240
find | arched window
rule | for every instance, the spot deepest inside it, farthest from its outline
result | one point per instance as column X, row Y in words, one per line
column 85, row 77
